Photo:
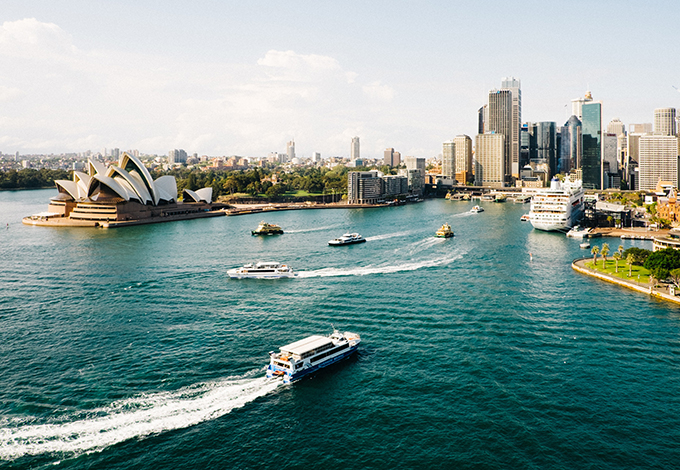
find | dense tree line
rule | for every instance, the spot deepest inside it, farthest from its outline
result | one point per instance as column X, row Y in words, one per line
column 30, row 178
column 258, row 181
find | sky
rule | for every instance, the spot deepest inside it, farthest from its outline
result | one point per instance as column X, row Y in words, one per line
column 222, row 77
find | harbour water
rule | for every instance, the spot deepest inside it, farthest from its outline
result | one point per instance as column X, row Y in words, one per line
column 130, row 348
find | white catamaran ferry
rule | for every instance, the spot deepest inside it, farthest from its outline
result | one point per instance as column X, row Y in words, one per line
column 262, row 271
column 559, row 207
column 308, row 355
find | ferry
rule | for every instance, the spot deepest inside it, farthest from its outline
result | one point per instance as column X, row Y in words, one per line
column 347, row 239
column 444, row 232
column 303, row 357
column 559, row 207
column 477, row 209
column 267, row 229
column 262, row 271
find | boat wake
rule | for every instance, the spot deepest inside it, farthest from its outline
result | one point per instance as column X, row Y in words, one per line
column 137, row 417
column 382, row 269
column 386, row 236
column 420, row 245
column 316, row 229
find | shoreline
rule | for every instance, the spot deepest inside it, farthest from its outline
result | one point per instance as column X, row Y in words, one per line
column 579, row 266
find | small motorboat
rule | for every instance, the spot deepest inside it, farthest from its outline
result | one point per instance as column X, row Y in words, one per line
column 524, row 218
column 477, row 209
column 585, row 245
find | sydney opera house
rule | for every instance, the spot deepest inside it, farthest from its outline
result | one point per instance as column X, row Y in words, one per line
column 123, row 194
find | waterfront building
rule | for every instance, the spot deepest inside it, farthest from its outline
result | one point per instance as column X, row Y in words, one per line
column 591, row 131
column 364, row 187
column 514, row 86
column 664, row 121
column 415, row 168
column 490, row 160
column 658, row 160
column 392, row 158
column 463, row 161
column 449, row 159
column 500, row 122
column 290, row 150
column 395, row 185
column 355, row 151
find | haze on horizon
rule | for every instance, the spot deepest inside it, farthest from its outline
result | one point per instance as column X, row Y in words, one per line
column 224, row 77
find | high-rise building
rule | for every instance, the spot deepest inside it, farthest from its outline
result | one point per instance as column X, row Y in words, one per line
column 482, row 119
column 610, row 165
column 463, row 164
column 316, row 157
column 645, row 128
column 449, row 159
column 415, row 163
column 364, row 187
column 616, row 127
column 500, row 122
column 591, row 131
column 577, row 105
column 658, row 160
column 290, row 150
column 569, row 157
column 514, row 85
column 392, row 158
column 490, row 169
column 354, row 152
column 664, row 121
column 546, row 145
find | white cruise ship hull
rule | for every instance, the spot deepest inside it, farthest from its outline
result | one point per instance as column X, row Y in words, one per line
column 557, row 208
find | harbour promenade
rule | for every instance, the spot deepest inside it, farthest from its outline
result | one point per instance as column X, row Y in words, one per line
column 664, row 292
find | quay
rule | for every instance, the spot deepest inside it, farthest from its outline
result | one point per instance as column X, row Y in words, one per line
column 629, row 233
column 663, row 292
column 244, row 209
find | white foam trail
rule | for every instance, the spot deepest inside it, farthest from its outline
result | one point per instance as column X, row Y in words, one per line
column 132, row 418
column 420, row 245
column 370, row 269
column 317, row 229
column 387, row 235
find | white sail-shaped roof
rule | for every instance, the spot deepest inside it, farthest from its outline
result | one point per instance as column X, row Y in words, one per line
column 204, row 194
column 95, row 166
column 166, row 188
column 110, row 183
column 68, row 187
column 134, row 183
column 136, row 168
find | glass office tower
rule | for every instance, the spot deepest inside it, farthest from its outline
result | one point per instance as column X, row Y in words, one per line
column 591, row 150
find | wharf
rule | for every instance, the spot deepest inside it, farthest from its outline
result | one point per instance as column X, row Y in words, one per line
column 628, row 233
column 68, row 222
column 244, row 209
column 660, row 292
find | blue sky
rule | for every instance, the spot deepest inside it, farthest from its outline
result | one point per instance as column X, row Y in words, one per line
column 223, row 77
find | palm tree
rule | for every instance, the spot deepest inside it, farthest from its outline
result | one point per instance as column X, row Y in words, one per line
column 629, row 260
column 595, row 251
column 621, row 249
column 617, row 257
column 605, row 252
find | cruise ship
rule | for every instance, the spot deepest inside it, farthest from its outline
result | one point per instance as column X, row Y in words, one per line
column 301, row 358
column 559, row 207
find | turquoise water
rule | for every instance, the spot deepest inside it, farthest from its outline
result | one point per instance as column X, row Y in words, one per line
column 130, row 348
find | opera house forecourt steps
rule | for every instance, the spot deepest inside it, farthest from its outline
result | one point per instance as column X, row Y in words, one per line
column 120, row 195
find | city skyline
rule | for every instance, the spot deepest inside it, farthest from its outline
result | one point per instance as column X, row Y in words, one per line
column 228, row 78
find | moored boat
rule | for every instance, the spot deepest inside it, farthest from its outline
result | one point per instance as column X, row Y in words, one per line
column 559, row 207
column 303, row 357
column 267, row 229
column 524, row 218
column 262, row 270
column 347, row 239
column 585, row 244
column 444, row 232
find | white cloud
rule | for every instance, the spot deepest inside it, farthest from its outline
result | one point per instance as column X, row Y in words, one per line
column 378, row 91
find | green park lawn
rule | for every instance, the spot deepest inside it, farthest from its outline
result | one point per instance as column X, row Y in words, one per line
column 610, row 268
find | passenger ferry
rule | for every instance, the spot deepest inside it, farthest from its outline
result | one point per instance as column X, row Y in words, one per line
column 262, row 271
column 444, row 232
column 347, row 239
column 301, row 358
column 559, row 207
column 267, row 229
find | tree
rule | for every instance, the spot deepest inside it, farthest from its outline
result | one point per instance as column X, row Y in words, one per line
column 604, row 252
column 674, row 274
column 639, row 255
column 617, row 257
column 595, row 251
column 629, row 260
column 661, row 262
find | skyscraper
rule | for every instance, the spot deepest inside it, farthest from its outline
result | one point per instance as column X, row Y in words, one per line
column 591, row 128
column 664, row 121
column 546, row 147
column 355, row 154
column 449, row 159
column 616, row 127
column 490, row 160
column 482, row 119
column 290, row 150
column 514, row 85
column 500, row 122
column 463, row 165
column 658, row 160
column 392, row 158
column 577, row 105
column 570, row 145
